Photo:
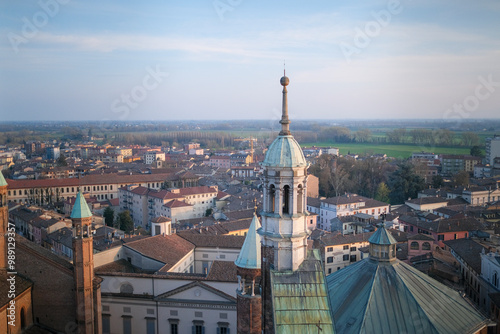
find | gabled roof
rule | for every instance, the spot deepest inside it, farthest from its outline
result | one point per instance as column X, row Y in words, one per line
column 168, row 249
column 80, row 208
column 469, row 250
column 224, row 297
column 249, row 256
column 176, row 204
column 393, row 297
column 222, row 241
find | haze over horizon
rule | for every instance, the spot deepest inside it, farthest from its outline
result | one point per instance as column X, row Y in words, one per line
column 222, row 60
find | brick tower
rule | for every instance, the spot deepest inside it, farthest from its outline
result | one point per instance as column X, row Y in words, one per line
column 4, row 221
column 284, row 228
column 83, row 263
column 248, row 266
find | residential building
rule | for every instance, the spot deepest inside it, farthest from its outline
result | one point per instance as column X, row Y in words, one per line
column 220, row 161
column 476, row 195
column 349, row 204
column 452, row 164
column 52, row 152
column 468, row 255
column 492, row 149
column 151, row 157
column 440, row 230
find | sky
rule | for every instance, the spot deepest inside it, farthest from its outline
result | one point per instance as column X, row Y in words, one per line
column 222, row 59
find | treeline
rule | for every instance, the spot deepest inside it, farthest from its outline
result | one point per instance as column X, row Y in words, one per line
column 439, row 137
column 176, row 138
column 369, row 177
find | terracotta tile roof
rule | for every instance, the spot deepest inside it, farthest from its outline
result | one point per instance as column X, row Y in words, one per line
column 222, row 241
column 176, row 204
column 222, row 194
column 345, row 199
column 224, row 271
column 312, row 201
column 469, row 250
column 240, row 214
column 339, row 239
column 197, row 190
column 90, row 180
column 168, row 249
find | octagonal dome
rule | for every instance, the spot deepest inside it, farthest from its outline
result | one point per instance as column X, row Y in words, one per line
column 284, row 152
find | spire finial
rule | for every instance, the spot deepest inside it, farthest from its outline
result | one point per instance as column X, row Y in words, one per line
column 284, row 68
column 255, row 205
column 285, row 128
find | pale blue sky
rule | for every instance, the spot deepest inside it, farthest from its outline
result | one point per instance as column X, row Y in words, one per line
column 92, row 61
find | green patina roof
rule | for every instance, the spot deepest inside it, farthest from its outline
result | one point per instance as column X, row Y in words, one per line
column 2, row 180
column 382, row 237
column 284, row 152
column 80, row 209
column 393, row 297
column 249, row 256
column 300, row 299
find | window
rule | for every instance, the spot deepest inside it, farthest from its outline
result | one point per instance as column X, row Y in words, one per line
column 127, row 325
column 222, row 256
column 126, row 288
column 353, row 258
column 150, row 326
column 329, row 259
column 329, row 270
column 455, row 236
column 440, row 237
column 174, row 325
column 345, row 257
column 198, row 327
column 411, row 228
column 174, row 312
column 198, row 314
column 353, row 249
column 414, row 245
column 329, row 249
column 346, row 247
column 106, row 328
column 286, row 199
column 426, row 246
column 223, row 328
column 205, row 256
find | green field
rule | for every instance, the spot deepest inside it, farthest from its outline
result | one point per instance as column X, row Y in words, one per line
column 392, row 150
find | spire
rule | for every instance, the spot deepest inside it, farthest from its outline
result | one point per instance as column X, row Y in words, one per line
column 2, row 180
column 249, row 256
column 285, row 128
column 80, row 209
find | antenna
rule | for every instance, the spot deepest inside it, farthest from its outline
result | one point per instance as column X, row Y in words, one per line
column 284, row 68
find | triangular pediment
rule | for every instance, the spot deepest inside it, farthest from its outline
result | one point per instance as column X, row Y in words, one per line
column 196, row 291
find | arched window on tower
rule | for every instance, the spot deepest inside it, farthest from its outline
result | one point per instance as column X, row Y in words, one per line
column 286, row 200
column 272, row 198
column 300, row 199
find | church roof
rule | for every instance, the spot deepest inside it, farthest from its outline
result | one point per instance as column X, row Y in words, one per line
column 2, row 180
column 80, row 209
column 392, row 297
column 249, row 256
column 300, row 298
column 284, row 152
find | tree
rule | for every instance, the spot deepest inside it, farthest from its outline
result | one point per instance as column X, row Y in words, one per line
column 109, row 216
column 404, row 183
column 462, row 179
column 208, row 212
column 61, row 161
column 382, row 192
column 437, row 181
column 470, row 139
column 476, row 151
column 125, row 222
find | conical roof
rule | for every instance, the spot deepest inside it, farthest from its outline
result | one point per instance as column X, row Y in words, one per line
column 2, row 180
column 382, row 237
column 392, row 297
column 249, row 256
column 80, row 209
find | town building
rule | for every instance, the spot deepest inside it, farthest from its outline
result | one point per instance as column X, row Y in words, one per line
column 452, row 164
column 492, row 149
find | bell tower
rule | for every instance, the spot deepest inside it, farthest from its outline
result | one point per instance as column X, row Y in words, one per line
column 83, row 264
column 284, row 228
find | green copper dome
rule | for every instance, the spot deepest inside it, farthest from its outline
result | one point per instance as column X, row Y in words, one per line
column 284, row 152
column 80, row 209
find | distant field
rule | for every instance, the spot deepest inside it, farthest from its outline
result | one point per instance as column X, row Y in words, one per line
column 392, row 150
